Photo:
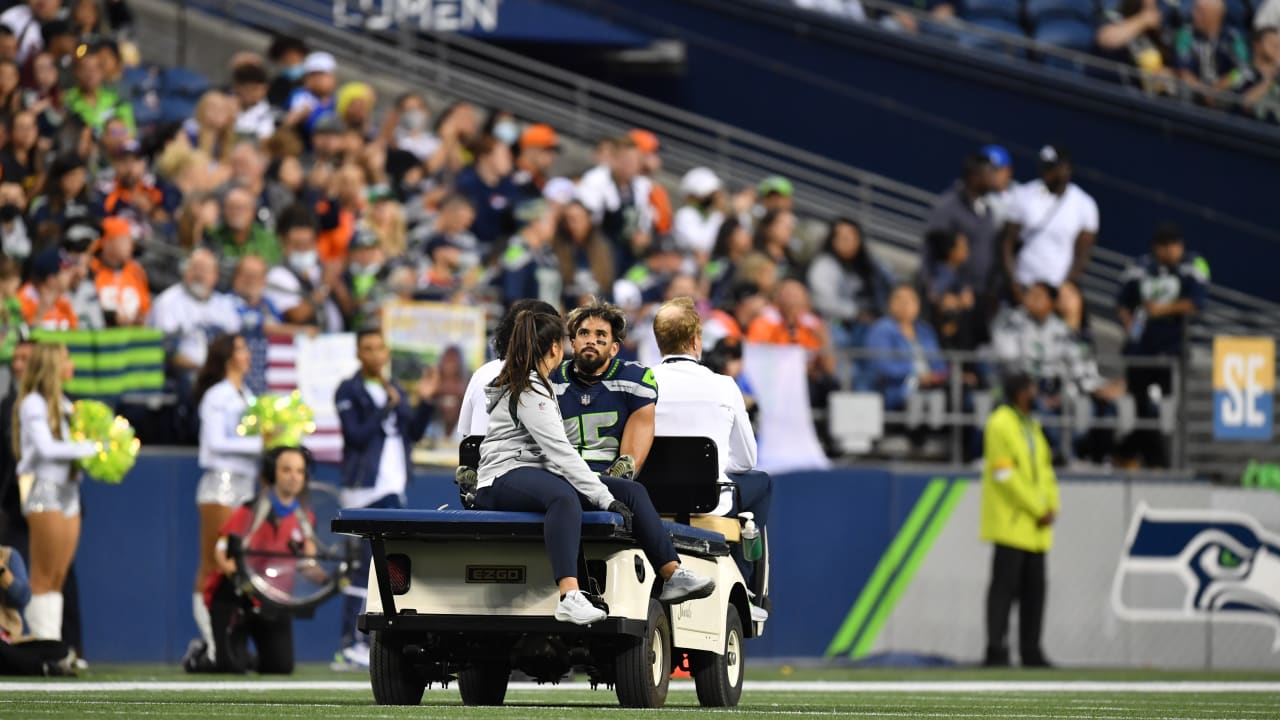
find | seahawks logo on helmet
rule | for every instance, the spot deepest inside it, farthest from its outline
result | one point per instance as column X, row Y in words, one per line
column 1197, row 565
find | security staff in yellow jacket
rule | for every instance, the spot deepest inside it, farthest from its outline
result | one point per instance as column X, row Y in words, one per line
column 1019, row 506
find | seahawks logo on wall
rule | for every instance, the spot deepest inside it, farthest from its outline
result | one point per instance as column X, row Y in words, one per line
column 1197, row 565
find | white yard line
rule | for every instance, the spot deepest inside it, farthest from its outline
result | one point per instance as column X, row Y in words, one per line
column 808, row 686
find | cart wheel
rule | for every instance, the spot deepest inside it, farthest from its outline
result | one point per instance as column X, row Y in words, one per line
column 395, row 681
column 718, row 678
column 643, row 665
column 484, row 684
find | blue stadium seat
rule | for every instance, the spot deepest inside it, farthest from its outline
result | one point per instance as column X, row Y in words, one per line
column 973, row 40
column 1006, row 10
column 1041, row 11
column 178, row 81
column 1065, row 33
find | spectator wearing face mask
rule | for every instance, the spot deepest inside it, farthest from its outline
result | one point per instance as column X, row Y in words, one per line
column 287, row 54
column 409, row 127
column 299, row 287
column 192, row 312
column 359, row 295
column 315, row 99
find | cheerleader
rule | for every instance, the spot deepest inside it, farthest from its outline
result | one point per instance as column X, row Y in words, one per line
column 229, row 462
column 52, row 506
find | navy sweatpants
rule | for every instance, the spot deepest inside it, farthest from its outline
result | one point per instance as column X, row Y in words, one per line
column 353, row 595
column 755, row 495
column 534, row 490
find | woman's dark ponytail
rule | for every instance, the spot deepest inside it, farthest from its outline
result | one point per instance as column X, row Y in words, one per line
column 532, row 336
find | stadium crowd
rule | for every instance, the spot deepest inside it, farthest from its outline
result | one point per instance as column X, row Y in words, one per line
column 1225, row 52
column 287, row 202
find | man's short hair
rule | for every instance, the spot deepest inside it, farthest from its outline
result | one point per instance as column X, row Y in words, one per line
column 249, row 74
column 676, row 326
column 295, row 216
column 1167, row 233
column 606, row 311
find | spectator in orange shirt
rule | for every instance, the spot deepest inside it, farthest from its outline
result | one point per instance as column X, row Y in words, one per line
column 790, row 321
column 44, row 300
column 132, row 195
column 338, row 213
column 650, row 165
column 121, row 281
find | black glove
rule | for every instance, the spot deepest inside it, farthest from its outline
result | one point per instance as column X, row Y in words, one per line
column 627, row 516
column 624, row 468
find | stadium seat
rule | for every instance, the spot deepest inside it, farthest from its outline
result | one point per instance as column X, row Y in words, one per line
column 974, row 40
column 1042, row 11
column 1006, row 10
column 856, row 419
column 1069, row 34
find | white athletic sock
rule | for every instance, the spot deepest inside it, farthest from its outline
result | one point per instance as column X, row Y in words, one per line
column 200, row 612
column 44, row 616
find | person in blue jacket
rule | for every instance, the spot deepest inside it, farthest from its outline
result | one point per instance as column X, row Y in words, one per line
column 379, row 428
column 905, row 355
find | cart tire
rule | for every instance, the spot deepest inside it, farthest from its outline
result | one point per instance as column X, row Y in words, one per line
column 718, row 678
column 484, row 684
column 395, row 681
column 642, row 666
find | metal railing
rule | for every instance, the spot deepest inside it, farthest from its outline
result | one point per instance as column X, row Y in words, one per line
column 960, row 407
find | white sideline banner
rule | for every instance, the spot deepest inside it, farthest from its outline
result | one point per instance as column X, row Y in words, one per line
column 779, row 379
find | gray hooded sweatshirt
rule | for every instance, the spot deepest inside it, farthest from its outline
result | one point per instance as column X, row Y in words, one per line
column 534, row 438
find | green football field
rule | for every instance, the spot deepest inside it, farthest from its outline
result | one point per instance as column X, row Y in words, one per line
column 314, row 692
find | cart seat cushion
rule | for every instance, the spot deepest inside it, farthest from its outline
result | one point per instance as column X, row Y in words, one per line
column 383, row 522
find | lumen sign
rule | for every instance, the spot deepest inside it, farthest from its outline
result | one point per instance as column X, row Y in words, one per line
column 434, row 15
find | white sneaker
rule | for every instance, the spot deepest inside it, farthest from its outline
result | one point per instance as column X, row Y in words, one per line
column 577, row 609
column 684, row 585
column 759, row 614
column 355, row 657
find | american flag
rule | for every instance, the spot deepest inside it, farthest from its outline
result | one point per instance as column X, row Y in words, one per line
column 282, row 378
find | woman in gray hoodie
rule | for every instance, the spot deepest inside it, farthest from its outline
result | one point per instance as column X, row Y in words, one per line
column 527, row 464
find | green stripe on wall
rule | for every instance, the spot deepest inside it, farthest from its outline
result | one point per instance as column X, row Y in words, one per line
column 908, row 570
column 884, row 569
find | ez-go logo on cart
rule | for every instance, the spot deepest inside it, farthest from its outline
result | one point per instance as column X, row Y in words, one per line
column 506, row 574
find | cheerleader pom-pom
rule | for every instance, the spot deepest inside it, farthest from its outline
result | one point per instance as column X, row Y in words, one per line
column 282, row 419
column 113, row 436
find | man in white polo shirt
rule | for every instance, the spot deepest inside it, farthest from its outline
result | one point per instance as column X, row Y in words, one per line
column 693, row 401
column 1055, row 222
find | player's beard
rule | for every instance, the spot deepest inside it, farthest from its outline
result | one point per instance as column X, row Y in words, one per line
column 589, row 365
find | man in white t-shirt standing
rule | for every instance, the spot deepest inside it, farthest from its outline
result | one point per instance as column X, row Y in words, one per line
column 1051, row 228
column 694, row 401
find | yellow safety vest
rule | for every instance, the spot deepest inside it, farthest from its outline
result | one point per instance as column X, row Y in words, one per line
column 1018, row 483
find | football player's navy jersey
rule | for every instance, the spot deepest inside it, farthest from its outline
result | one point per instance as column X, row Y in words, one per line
column 595, row 414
